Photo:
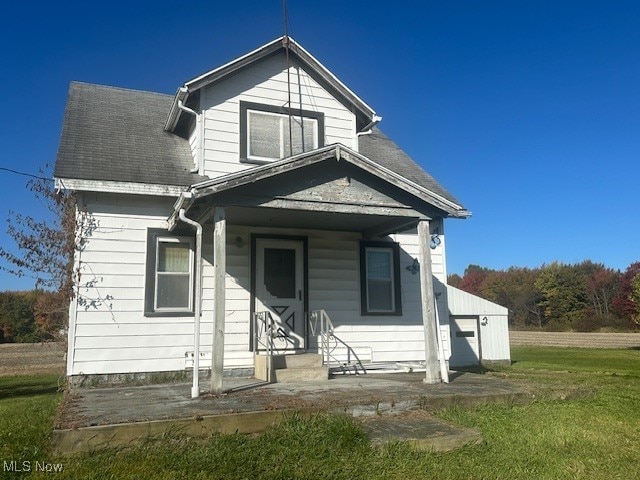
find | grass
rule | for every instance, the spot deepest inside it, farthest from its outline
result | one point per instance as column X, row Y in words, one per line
column 27, row 407
column 596, row 437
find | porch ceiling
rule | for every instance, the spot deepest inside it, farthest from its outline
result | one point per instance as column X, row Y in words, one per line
column 368, row 225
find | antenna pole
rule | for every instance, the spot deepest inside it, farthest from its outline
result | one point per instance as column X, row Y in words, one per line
column 286, row 49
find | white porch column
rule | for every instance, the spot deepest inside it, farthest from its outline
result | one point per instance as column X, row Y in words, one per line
column 428, row 306
column 219, row 296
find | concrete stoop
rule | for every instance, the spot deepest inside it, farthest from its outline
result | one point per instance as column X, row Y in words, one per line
column 421, row 432
column 295, row 368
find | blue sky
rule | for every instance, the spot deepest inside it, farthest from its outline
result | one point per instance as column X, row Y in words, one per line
column 528, row 112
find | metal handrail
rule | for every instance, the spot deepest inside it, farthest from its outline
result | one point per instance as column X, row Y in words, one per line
column 326, row 332
column 265, row 320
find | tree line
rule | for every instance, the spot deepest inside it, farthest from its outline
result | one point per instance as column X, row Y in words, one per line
column 23, row 318
column 585, row 296
column 44, row 250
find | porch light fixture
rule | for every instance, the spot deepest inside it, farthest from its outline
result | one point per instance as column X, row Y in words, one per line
column 414, row 267
column 435, row 239
column 239, row 242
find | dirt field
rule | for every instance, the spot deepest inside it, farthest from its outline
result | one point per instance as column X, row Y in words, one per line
column 35, row 358
column 575, row 339
column 31, row 358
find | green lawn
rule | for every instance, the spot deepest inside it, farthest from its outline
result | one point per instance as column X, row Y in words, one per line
column 597, row 437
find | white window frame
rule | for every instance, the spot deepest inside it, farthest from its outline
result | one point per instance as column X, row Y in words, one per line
column 181, row 240
column 281, row 112
column 284, row 130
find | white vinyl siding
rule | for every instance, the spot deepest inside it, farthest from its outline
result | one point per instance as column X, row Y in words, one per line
column 266, row 83
column 110, row 333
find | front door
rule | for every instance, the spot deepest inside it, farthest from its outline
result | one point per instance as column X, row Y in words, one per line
column 279, row 289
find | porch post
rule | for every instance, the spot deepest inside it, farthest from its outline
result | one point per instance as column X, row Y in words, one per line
column 428, row 306
column 219, row 295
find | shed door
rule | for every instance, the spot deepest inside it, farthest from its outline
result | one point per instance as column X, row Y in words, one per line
column 465, row 344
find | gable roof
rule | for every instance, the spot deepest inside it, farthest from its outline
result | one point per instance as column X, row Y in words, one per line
column 115, row 134
column 364, row 113
column 336, row 152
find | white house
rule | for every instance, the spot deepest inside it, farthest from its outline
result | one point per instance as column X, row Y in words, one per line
column 258, row 211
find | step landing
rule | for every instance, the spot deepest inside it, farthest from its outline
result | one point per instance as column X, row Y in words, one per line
column 421, row 431
column 294, row 368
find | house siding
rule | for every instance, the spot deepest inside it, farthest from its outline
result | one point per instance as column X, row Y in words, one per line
column 265, row 83
column 493, row 320
column 110, row 334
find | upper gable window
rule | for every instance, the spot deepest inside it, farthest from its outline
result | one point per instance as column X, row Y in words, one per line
column 266, row 133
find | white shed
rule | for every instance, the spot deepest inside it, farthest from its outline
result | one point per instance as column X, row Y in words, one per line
column 479, row 330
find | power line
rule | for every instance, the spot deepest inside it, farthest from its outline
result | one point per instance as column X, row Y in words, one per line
column 24, row 174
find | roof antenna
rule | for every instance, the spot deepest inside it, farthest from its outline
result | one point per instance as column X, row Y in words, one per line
column 286, row 43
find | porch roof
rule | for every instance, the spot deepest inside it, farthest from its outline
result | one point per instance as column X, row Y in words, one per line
column 339, row 153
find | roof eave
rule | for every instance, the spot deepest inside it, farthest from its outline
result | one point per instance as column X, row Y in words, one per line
column 339, row 151
column 271, row 48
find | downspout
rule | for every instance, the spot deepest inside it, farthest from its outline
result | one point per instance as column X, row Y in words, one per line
column 195, row 389
column 182, row 107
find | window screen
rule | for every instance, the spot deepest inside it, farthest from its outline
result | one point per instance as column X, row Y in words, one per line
column 269, row 133
column 380, row 278
column 170, row 274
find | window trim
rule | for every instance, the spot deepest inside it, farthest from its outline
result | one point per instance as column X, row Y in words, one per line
column 245, row 107
column 154, row 236
column 394, row 248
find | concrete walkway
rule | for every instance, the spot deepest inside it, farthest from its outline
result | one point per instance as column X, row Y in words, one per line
column 96, row 418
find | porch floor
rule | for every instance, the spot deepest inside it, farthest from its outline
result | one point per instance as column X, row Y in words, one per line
column 97, row 417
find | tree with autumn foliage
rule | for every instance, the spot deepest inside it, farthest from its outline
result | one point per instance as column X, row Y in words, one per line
column 627, row 302
column 45, row 250
column 584, row 296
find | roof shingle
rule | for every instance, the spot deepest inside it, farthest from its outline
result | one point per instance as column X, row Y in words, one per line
column 116, row 134
column 381, row 149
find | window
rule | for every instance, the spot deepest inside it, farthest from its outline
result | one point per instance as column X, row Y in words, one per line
column 170, row 271
column 267, row 133
column 380, row 278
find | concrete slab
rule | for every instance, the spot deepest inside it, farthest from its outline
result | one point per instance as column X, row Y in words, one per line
column 420, row 431
column 94, row 418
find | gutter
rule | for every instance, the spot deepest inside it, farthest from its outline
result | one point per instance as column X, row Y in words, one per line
column 375, row 120
column 195, row 388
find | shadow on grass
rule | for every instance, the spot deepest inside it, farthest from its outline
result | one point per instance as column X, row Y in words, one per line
column 26, row 387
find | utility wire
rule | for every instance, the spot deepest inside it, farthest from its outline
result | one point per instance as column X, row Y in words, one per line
column 10, row 170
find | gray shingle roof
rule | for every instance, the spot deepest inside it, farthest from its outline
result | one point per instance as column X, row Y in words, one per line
column 381, row 149
column 116, row 134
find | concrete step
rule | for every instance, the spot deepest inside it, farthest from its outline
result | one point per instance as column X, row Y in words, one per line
column 301, row 374
column 298, row 360
column 420, row 430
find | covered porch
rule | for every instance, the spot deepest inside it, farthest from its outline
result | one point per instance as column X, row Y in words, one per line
column 300, row 245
